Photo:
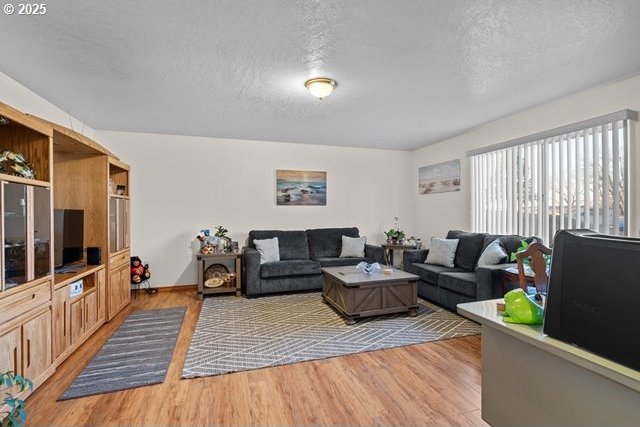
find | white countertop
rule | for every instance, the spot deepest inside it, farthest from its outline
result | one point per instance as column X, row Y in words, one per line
column 485, row 313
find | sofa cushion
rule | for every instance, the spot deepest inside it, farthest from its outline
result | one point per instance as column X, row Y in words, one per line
column 268, row 249
column 293, row 244
column 442, row 252
column 469, row 248
column 464, row 283
column 510, row 242
column 327, row 242
column 340, row 262
column 353, row 247
column 493, row 254
column 292, row 267
column 429, row 272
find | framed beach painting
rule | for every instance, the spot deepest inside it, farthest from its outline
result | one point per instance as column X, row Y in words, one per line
column 301, row 188
column 439, row 178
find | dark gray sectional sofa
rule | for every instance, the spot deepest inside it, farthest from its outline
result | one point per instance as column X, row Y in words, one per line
column 302, row 255
column 466, row 281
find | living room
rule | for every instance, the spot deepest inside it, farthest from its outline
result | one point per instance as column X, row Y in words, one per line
column 189, row 117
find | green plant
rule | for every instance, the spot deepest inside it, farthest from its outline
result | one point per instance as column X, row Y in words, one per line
column 15, row 414
column 395, row 232
column 221, row 232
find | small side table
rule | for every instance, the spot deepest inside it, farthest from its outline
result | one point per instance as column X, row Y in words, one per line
column 231, row 260
column 389, row 248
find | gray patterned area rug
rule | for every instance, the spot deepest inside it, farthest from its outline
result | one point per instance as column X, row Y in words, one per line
column 137, row 354
column 239, row 334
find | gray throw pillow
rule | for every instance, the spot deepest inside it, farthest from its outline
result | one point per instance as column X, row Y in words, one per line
column 493, row 254
column 353, row 247
column 442, row 252
column 269, row 249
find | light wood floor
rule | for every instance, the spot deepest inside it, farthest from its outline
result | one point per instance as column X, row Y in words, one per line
column 427, row 384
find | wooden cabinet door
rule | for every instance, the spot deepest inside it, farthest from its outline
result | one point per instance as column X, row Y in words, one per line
column 77, row 320
column 61, row 323
column 90, row 310
column 126, row 284
column 11, row 351
column 116, row 296
column 126, row 224
column 36, row 346
column 101, row 289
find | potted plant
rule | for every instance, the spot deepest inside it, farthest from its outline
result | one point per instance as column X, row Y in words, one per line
column 395, row 235
column 221, row 233
column 14, row 415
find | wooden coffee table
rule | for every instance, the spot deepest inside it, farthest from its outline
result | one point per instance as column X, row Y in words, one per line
column 355, row 294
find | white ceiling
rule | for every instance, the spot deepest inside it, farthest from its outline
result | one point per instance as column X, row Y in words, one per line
column 410, row 72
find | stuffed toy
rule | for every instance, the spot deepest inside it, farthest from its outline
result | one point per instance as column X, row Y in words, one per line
column 139, row 272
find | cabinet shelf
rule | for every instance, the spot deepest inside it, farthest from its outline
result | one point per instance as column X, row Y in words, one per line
column 63, row 279
column 20, row 180
column 119, row 196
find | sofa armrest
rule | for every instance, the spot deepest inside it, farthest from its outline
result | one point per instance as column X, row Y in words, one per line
column 490, row 281
column 251, row 270
column 374, row 253
column 410, row 256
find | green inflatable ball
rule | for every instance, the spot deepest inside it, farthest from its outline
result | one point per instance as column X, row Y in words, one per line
column 520, row 309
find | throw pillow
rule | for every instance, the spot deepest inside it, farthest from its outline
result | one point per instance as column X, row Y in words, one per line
column 493, row 254
column 353, row 247
column 269, row 249
column 442, row 252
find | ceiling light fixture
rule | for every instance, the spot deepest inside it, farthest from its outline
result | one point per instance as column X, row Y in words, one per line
column 320, row 87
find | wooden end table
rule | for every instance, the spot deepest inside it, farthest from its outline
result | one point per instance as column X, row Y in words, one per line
column 233, row 263
column 355, row 294
column 388, row 249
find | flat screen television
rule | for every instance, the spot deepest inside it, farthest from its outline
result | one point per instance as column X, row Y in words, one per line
column 594, row 294
column 68, row 225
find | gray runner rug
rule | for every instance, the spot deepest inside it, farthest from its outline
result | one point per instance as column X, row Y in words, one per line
column 239, row 334
column 137, row 354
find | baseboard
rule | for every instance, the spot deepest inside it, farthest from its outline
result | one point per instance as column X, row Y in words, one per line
column 177, row 288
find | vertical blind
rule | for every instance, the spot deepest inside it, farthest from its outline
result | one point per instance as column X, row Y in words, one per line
column 566, row 178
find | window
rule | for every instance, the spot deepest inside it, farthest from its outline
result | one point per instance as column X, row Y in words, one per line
column 566, row 178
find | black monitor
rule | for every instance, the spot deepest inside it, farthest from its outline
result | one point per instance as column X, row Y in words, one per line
column 594, row 294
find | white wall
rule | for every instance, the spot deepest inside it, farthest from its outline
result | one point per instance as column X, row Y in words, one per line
column 19, row 97
column 182, row 184
column 435, row 214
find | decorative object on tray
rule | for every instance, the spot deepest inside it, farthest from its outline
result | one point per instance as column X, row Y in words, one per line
column 367, row 268
column 214, row 282
column 120, row 189
column 15, row 164
column 301, row 188
column 395, row 235
column 439, row 178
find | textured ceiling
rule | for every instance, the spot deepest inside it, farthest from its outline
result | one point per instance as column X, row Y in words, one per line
column 410, row 72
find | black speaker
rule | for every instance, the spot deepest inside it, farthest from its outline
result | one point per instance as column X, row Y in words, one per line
column 94, row 255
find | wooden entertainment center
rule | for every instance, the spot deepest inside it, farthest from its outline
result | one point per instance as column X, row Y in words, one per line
column 41, row 320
